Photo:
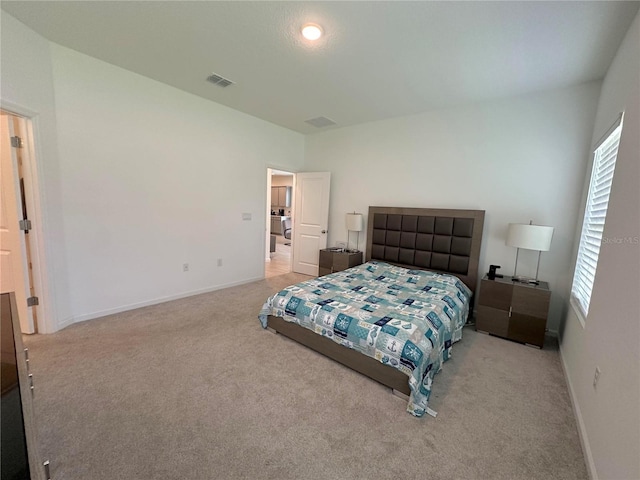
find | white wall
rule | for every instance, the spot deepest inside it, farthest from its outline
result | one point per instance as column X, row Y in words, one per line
column 609, row 415
column 137, row 178
column 27, row 88
column 153, row 177
column 519, row 159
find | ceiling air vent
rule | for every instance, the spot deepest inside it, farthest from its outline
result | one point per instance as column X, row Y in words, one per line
column 219, row 81
column 320, row 122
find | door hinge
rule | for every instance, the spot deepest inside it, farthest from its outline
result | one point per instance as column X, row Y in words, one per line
column 16, row 142
column 25, row 224
column 32, row 301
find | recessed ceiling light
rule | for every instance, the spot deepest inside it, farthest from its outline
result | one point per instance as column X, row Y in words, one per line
column 311, row 31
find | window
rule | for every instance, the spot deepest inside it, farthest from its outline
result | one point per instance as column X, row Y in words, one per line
column 604, row 164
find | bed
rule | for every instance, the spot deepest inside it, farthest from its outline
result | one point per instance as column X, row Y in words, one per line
column 396, row 317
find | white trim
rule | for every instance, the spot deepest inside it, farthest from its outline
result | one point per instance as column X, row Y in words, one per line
column 65, row 323
column 155, row 301
column 594, row 219
column 577, row 310
column 553, row 333
column 271, row 170
column 609, row 131
column 47, row 319
column 267, row 212
column 582, row 429
column 33, row 213
column 17, row 240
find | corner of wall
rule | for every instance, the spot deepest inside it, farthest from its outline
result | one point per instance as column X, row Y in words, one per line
column 582, row 430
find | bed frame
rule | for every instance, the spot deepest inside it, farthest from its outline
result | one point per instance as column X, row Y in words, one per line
column 441, row 240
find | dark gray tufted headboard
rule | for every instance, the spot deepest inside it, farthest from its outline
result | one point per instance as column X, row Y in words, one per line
column 442, row 240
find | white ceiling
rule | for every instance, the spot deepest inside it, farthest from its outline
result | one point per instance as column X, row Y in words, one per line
column 377, row 59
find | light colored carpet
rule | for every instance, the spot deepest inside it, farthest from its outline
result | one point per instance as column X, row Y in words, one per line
column 196, row 389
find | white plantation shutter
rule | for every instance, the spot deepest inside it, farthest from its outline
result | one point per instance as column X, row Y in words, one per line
column 604, row 164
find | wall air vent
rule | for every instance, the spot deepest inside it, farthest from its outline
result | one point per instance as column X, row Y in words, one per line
column 320, row 122
column 219, row 81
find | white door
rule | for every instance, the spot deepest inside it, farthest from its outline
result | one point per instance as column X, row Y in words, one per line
column 310, row 221
column 13, row 276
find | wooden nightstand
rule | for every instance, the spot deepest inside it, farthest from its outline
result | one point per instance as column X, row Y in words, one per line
column 333, row 261
column 513, row 310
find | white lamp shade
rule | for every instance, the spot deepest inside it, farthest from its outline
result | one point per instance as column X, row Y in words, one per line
column 531, row 237
column 355, row 222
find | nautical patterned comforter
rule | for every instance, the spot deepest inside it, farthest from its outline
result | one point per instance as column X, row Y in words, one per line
column 407, row 319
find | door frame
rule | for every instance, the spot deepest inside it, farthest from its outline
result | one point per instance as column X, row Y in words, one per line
column 15, row 240
column 45, row 319
column 267, row 237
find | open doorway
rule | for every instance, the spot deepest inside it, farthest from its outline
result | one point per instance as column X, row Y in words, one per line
column 280, row 186
column 19, row 233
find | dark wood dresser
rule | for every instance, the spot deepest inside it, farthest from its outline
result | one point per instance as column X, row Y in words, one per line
column 513, row 310
column 20, row 458
column 335, row 261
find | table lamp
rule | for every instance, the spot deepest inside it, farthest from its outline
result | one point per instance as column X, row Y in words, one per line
column 530, row 237
column 355, row 223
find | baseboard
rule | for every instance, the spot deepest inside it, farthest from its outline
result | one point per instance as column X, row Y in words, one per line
column 582, row 431
column 155, row 301
column 64, row 323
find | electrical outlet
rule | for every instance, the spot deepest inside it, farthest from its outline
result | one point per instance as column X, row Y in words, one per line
column 596, row 376
column 219, row 262
column 246, row 216
column 185, row 267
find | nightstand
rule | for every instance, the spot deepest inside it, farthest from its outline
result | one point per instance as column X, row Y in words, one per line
column 513, row 310
column 334, row 261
